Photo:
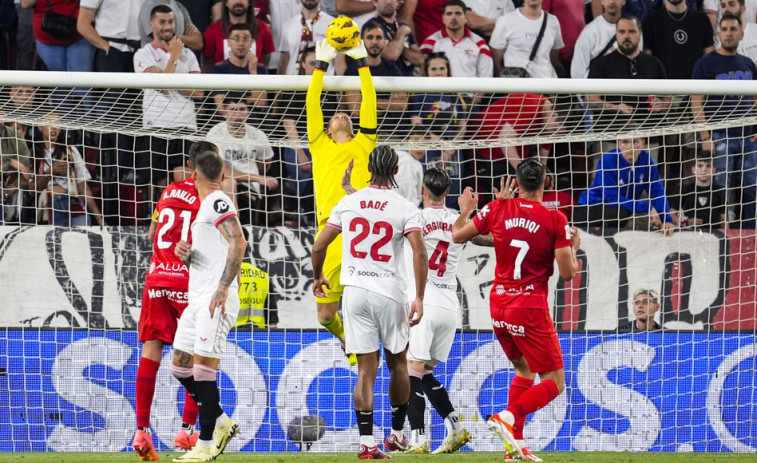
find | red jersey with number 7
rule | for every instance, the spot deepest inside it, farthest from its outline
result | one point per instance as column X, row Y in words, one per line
column 526, row 235
column 176, row 210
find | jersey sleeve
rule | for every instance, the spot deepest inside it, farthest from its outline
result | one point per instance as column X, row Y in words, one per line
column 413, row 221
column 222, row 209
column 483, row 218
column 561, row 228
column 313, row 107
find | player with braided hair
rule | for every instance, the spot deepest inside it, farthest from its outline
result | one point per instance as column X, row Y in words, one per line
column 332, row 150
column 527, row 239
column 374, row 221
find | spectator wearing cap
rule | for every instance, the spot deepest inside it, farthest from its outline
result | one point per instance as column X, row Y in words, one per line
column 646, row 304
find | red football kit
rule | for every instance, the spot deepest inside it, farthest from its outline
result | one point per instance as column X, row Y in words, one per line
column 165, row 294
column 526, row 235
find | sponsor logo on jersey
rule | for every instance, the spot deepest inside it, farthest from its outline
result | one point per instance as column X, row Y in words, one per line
column 514, row 330
column 171, row 267
column 221, row 206
column 184, row 195
column 152, row 267
column 170, row 294
column 520, row 222
column 482, row 213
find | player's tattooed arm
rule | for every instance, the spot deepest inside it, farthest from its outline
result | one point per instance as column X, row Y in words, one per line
column 232, row 231
column 483, row 240
column 347, row 179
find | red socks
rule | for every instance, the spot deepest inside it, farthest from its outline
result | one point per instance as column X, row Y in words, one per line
column 146, row 373
column 519, row 386
column 191, row 410
column 533, row 399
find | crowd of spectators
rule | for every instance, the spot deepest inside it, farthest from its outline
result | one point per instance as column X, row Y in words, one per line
column 695, row 180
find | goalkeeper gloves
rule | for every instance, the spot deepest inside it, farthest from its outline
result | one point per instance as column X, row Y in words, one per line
column 358, row 51
column 324, row 53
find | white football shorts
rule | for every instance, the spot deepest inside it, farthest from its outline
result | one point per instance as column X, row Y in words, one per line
column 199, row 334
column 431, row 339
column 371, row 317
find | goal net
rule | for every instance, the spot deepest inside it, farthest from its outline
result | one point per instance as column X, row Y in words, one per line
column 661, row 209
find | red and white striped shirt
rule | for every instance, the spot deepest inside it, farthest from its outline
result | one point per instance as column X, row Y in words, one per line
column 468, row 57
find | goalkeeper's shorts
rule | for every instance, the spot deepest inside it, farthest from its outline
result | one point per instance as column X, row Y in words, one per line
column 332, row 267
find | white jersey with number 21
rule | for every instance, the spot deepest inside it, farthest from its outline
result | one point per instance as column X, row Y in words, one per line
column 374, row 222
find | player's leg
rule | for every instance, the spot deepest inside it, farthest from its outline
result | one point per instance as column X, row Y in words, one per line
column 362, row 338
column 444, row 325
column 182, row 369
column 393, row 328
column 216, row 428
column 329, row 305
column 416, row 406
column 147, row 371
column 399, row 393
column 541, row 353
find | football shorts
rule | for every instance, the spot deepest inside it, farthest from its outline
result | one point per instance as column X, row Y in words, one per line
column 431, row 339
column 371, row 317
column 529, row 333
column 161, row 310
column 332, row 267
column 200, row 334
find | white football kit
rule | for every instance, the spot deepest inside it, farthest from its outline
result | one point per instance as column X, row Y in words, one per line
column 373, row 223
column 431, row 339
column 197, row 331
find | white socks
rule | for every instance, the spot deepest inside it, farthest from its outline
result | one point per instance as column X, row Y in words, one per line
column 399, row 433
column 417, row 438
column 204, row 443
column 507, row 417
column 452, row 423
column 368, row 441
column 222, row 419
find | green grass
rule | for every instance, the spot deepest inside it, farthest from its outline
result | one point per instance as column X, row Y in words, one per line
column 549, row 457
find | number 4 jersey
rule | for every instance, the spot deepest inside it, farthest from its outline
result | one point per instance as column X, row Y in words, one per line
column 174, row 214
column 526, row 235
column 374, row 222
column 443, row 256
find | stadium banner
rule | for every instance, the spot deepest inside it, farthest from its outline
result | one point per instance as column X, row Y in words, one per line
column 73, row 390
column 93, row 278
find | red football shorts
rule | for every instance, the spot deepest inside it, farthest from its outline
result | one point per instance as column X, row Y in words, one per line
column 161, row 310
column 529, row 333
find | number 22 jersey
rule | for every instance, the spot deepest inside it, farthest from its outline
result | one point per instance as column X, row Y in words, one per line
column 374, row 222
column 526, row 235
column 174, row 214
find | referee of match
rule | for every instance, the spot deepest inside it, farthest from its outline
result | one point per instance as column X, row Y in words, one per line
column 332, row 150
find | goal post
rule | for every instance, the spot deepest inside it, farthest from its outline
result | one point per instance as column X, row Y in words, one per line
column 72, row 294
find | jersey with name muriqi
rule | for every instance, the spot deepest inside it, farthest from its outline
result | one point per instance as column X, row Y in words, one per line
column 176, row 210
column 374, row 222
column 526, row 235
column 209, row 247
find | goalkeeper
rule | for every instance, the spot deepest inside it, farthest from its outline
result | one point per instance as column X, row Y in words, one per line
column 332, row 150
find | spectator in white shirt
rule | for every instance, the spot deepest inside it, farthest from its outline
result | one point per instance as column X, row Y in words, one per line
column 301, row 31
column 597, row 38
column 482, row 15
column 165, row 109
column 515, row 35
column 188, row 33
column 467, row 51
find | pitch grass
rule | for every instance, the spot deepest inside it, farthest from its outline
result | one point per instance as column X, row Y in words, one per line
column 549, row 457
